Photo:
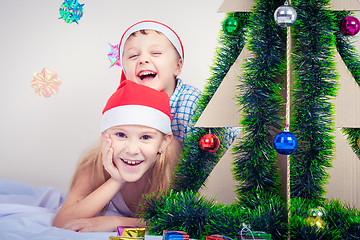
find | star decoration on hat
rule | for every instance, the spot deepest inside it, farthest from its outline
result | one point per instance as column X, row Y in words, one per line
column 45, row 83
column 113, row 55
column 71, row 11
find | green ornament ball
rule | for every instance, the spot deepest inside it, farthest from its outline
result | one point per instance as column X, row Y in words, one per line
column 231, row 26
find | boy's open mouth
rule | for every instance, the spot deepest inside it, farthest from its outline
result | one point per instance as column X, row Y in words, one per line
column 147, row 75
column 132, row 162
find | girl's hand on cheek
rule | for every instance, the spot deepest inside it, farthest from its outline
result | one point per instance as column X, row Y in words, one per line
column 107, row 159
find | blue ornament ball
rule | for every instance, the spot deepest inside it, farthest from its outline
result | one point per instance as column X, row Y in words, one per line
column 285, row 143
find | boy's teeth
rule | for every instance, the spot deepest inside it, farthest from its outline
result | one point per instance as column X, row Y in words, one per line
column 145, row 73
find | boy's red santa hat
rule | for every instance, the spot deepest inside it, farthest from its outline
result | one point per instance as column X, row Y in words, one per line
column 153, row 25
column 135, row 104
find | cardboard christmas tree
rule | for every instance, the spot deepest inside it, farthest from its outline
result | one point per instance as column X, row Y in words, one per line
column 345, row 174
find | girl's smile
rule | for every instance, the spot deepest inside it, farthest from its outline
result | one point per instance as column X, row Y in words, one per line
column 132, row 162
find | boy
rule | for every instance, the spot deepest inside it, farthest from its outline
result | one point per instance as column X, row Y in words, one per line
column 152, row 54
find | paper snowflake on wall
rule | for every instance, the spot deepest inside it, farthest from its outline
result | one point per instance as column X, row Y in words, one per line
column 114, row 55
column 71, row 11
column 45, row 83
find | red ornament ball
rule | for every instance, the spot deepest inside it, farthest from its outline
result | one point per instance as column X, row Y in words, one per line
column 350, row 26
column 209, row 143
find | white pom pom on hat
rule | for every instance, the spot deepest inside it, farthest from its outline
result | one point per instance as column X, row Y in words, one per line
column 135, row 104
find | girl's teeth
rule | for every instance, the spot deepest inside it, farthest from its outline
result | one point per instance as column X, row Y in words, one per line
column 130, row 162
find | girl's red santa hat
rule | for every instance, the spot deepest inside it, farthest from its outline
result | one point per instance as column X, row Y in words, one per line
column 135, row 104
column 153, row 25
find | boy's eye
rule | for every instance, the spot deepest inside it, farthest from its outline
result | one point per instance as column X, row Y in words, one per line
column 156, row 53
column 120, row 134
column 133, row 56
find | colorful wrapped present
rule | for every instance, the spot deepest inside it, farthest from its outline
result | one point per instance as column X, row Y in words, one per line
column 124, row 238
column 129, row 233
column 175, row 235
column 217, row 237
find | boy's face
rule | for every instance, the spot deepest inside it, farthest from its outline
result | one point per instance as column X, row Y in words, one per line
column 150, row 59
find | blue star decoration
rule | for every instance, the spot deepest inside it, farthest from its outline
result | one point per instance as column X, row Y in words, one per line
column 71, row 11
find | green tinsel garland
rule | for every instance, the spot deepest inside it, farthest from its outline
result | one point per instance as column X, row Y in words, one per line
column 196, row 165
column 346, row 49
column 352, row 135
column 351, row 58
column 254, row 164
column 340, row 221
column 314, row 86
column 200, row 217
column 182, row 211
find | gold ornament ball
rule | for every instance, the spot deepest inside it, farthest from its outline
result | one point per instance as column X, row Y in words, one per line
column 358, row 142
column 317, row 212
column 316, row 221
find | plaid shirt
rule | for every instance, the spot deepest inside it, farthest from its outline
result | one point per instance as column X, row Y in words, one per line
column 183, row 103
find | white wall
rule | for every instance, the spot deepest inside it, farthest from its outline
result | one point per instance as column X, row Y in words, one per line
column 43, row 138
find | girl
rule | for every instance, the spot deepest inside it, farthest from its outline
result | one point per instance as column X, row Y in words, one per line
column 136, row 156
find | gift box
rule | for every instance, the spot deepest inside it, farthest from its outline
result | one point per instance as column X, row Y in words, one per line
column 217, row 237
column 254, row 235
column 129, row 233
column 124, row 238
column 175, row 235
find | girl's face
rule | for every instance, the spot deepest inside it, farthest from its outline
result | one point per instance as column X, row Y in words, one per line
column 136, row 149
column 150, row 59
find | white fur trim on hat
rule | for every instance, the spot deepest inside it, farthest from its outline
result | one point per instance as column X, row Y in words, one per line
column 136, row 115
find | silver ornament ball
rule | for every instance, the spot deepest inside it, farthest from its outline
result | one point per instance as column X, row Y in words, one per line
column 285, row 16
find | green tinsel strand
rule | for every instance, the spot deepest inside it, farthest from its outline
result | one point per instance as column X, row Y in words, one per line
column 182, row 211
column 262, row 211
column 352, row 135
column 354, row 222
column 229, row 220
column 315, row 85
column 195, row 164
column 342, row 219
column 300, row 227
column 266, row 212
column 227, row 53
column 346, row 48
column 301, row 230
column 351, row 57
column 254, row 164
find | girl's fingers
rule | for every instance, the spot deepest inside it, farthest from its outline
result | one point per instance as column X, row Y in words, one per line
column 108, row 155
column 107, row 151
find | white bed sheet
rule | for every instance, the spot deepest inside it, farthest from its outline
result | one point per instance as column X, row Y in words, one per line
column 26, row 213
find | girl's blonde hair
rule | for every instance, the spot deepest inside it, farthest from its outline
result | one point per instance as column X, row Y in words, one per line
column 161, row 172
